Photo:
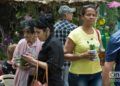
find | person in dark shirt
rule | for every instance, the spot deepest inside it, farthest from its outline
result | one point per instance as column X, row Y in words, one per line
column 51, row 54
column 7, row 64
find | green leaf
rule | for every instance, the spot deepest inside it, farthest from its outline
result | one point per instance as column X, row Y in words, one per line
column 92, row 46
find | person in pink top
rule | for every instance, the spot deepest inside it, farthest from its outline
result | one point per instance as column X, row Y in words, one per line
column 29, row 44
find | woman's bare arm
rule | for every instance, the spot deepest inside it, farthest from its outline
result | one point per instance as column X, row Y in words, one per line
column 69, row 49
column 106, row 73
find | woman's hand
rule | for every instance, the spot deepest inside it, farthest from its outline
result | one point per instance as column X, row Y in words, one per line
column 88, row 55
column 29, row 59
column 25, row 67
column 33, row 61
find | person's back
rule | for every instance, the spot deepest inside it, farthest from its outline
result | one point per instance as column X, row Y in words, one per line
column 115, row 48
column 62, row 28
column 7, row 64
column 7, row 68
column 112, row 60
column 8, row 71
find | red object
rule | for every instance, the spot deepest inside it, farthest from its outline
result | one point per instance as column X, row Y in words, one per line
column 36, row 83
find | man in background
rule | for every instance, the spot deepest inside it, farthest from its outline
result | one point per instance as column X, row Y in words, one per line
column 62, row 28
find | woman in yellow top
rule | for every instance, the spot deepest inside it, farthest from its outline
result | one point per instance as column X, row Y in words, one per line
column 85, row 69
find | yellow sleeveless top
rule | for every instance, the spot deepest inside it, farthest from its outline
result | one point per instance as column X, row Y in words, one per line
column 81, row 39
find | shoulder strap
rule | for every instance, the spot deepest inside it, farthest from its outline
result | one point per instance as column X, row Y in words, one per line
column 46, row 76
column 36, row 75
column 98, row 35
column 46, row 73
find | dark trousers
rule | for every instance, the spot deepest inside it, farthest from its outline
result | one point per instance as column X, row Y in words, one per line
column 85, row 79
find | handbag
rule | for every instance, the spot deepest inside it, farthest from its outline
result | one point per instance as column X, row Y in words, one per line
column 36, row 82
column 101, row 53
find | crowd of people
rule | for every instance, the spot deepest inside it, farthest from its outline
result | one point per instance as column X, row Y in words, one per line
column 69, row 52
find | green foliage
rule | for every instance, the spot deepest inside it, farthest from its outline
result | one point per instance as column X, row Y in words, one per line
column 2, row 55
column 0, row 39
column 75, row 20
column 27, row 8
column 109, row 14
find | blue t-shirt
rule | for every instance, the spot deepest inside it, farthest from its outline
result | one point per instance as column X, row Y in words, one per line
column 113, row 52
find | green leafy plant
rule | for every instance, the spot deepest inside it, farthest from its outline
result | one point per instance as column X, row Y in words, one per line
column 22, row 62
column 92, row 47
column 2, row 55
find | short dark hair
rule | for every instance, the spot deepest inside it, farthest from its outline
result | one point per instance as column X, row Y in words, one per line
column 85, row 7
column 44, row 22
column 29, row 25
